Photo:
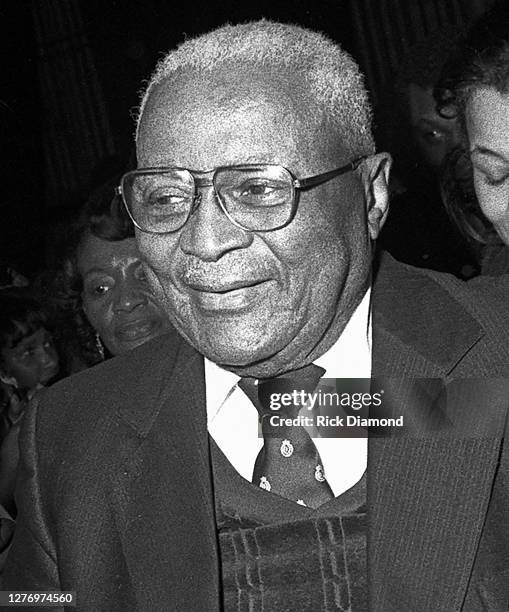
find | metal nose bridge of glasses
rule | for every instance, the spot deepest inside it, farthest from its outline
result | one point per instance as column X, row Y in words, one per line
column 206, row 178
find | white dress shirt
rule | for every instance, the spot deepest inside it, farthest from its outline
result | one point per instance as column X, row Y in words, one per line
column 233, row 420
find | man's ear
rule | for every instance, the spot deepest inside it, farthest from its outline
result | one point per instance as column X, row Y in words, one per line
column 375, row 171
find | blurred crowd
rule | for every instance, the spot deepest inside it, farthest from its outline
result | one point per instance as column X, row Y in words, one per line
column 446, row 123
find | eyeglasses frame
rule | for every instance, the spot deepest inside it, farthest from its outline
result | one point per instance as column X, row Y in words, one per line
column 298, row 185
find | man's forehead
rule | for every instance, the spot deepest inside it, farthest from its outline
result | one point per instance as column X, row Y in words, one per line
column 248, row 109
column 221, row 92
column 226, row 82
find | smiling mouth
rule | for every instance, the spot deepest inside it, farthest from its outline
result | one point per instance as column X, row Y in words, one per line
column 229, row 297
column 225, row 287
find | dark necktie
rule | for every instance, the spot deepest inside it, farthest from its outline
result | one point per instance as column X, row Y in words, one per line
column 289, row 463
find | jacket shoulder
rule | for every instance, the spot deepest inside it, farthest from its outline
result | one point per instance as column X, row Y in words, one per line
column 87, row 404
column 427, row 295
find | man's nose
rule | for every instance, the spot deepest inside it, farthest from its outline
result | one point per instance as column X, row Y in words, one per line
column 209, row 234
column 129, row 295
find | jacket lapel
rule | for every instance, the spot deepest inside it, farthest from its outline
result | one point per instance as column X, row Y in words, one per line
column 427, row 496
column 162, row 487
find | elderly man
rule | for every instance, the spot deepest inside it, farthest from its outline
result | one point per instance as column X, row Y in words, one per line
column 257, row 201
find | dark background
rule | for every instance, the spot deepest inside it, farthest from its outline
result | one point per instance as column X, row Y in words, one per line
column 72, row 71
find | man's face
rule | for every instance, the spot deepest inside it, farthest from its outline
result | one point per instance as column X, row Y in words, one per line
column 257, row 302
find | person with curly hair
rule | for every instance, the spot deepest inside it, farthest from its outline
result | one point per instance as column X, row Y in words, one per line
column 114, row 310
column 475, row 183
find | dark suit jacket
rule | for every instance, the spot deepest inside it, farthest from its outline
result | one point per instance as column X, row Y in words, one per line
column 115, row 491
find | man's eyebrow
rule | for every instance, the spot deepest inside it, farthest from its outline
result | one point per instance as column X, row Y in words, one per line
column 486, row 151
column 258, row 159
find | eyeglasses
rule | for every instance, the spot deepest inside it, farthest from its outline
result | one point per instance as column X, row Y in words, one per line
column 254, row 197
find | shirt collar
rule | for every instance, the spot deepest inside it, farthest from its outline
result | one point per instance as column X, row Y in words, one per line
column 346, row 358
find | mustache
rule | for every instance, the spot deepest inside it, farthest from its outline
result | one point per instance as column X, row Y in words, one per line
column 195, row 271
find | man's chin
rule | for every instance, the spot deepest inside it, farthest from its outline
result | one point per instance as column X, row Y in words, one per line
column 234, row 356
column 232, row 349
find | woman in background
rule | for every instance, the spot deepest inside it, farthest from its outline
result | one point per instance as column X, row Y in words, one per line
column 476, row 179
column 104, row 269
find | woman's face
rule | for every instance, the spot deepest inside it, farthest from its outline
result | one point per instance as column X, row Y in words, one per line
column 487, row 121
column 116, row 297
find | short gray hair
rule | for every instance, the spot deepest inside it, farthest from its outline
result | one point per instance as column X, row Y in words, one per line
column 333, row 76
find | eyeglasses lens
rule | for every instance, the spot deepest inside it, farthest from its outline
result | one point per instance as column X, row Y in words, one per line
column 258, row 197
column 159, row 201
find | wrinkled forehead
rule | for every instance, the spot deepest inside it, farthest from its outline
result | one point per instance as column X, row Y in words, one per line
column 239, row 115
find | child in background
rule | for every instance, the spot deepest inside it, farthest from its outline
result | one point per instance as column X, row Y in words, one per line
column 28, row 362
column 28, row 358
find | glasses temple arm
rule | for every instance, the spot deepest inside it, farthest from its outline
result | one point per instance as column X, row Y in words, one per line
column 313, row 181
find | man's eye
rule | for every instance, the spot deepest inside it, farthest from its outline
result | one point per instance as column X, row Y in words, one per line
column 257, row 189
column 260, row 193
column 167, row 198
